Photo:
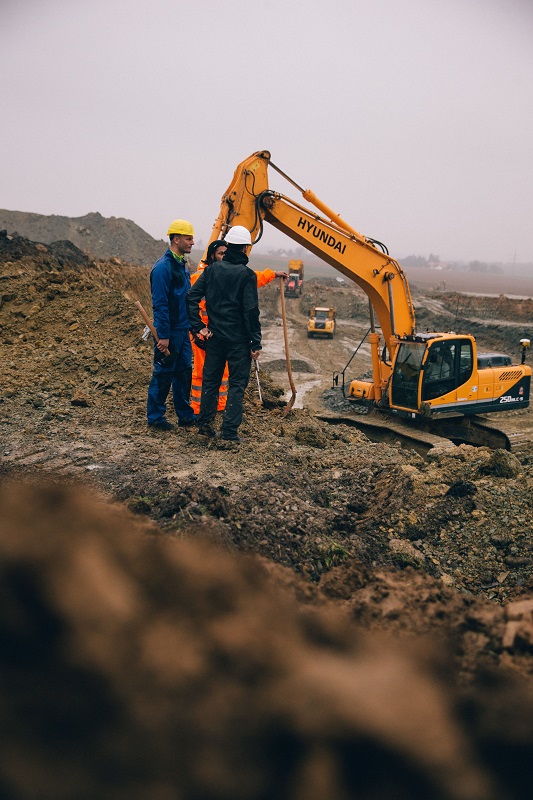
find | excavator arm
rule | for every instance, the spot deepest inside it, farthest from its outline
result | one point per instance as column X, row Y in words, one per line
column 249, row 201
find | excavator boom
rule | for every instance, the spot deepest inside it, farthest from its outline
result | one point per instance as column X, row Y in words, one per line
column 249, row 201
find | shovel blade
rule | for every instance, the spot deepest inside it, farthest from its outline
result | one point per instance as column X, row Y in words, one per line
column 289, row 405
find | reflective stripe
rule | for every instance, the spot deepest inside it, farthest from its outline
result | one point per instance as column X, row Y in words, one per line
column 222, row 396
column 196, row 394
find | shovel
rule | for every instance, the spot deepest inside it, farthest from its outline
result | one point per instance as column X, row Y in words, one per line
column 287, row 357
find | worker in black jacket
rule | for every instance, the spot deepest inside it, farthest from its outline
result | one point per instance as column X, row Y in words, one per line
column 233, row 335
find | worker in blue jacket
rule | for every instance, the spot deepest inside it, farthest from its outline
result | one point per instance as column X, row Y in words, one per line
column 170, row 282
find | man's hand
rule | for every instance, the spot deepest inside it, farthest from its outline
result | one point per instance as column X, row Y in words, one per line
column 163, row 344
column 255, row 354
column 283, row 275
column 200, row 337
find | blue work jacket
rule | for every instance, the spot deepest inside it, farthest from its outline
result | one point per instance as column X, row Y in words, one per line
column 170, row 282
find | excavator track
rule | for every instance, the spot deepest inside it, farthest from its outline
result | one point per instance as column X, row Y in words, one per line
column 380, row 428
column 441, row 434
column 517, row 440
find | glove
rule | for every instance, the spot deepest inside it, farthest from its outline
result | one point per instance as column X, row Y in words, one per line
column 161, row 358
column 199, row 340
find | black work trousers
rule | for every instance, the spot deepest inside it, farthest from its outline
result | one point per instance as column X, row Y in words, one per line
column 238, row 356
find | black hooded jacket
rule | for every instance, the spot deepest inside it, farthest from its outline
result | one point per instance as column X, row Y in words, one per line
column 232, row 305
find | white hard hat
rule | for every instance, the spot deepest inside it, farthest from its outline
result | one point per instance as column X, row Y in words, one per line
column 238, row 235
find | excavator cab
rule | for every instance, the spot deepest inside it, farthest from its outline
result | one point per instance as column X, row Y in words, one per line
column 442, row 373
column 431, row 369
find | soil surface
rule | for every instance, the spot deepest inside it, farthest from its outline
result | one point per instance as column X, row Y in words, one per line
column 313, row 615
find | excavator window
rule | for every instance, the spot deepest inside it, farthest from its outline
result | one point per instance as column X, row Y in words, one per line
column 441, row 369
column 466, row 362
column 406, row 374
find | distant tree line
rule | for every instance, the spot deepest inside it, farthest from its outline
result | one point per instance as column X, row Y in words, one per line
column 433, row 261
column 283, row 252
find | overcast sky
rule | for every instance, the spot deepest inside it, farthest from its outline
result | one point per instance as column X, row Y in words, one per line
column 413, row 119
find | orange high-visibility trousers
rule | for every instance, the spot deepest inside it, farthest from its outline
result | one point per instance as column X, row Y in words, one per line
column 197, row 375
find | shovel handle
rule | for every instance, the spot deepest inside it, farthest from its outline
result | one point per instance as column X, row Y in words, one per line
column 287, row 357
column 150, row 324
column 256, row 366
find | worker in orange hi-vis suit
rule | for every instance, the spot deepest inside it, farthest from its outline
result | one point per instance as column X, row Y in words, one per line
column 215, row 252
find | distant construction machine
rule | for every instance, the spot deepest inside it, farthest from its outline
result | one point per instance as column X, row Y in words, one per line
column 321, row 322
column 295, row 281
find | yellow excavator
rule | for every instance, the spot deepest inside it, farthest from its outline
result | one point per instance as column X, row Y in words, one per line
column 418, row 376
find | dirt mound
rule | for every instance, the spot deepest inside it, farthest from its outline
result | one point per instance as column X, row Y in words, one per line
column 14, row 248
column 97, row 236
column 501, row 308
column 297, row 364
column 135, row 666
column 497, row 323
column 348, row 301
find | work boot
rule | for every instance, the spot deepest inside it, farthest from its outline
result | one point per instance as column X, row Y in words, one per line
column 207, row 430
column 164, row 425
column 187, row 423
column 230, row 444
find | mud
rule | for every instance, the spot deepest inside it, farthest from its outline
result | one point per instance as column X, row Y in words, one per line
column 314, row 615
